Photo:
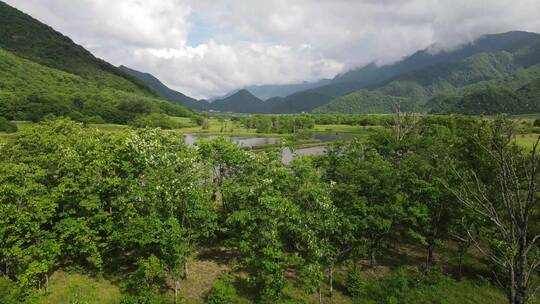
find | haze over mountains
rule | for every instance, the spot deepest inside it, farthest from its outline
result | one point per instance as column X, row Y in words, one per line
column 419, row 77
column 412, row 83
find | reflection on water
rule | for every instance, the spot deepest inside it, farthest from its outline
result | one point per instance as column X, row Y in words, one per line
column 287, row 155
column 241, row 141
column 332, row 137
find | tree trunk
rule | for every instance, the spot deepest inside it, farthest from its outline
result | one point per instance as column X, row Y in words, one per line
column 47, row 283
column 320, row 294
column 429, row 257
column 373, row 261
column 186, row 269
column 176, row 287
column 523, row 265
column 460, row 265
column 512, row 287
column 331, row 276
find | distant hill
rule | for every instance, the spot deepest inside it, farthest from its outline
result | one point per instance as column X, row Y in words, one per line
column 44, row 73
column 503, row 56
column 296, row 103
column 417, row 87
column 164, row 91
column 265, row 92
column 518, row 93
column 240, row 102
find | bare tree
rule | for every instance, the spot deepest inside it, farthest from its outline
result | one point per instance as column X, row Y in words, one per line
column 404, row 122
column 507, row 207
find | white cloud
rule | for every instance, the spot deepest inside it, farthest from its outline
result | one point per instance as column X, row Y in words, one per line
column 208, row 47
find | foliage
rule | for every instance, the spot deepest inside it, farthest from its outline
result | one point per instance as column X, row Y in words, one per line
column 278, row 123
column 413, row 286
column 7, row 126
column 31, row 91
column 223, row 292
column 364, row 101
column 137, row 205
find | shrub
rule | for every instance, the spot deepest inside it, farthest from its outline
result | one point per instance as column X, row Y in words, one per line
column 223, row 292
column 401, row 286
column 536, row 122
column 7, row 126
column 9, row 292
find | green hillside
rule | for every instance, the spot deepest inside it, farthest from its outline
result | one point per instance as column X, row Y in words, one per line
column 364, row 101
column 518, row 93
column 164, row 91
column 43, row 73
column 443, row 83
column 28, row 38
column 30, row 91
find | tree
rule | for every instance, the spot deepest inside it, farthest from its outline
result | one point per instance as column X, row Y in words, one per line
column 28, row 249
column 507, row 207
column 366, row 192
column 171, row 211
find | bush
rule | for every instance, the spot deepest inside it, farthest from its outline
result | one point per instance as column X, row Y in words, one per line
column 401, row 286
column 536, row 122
column 7, row 126
column 9, row 292
column 94, row 120
column 223, row 292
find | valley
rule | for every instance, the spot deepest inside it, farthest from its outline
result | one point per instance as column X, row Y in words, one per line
column 401, row 170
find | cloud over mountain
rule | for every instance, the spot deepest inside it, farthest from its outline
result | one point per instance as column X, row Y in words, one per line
column 209, row 47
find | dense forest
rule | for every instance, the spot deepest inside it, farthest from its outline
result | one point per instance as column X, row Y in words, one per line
column 138, row 205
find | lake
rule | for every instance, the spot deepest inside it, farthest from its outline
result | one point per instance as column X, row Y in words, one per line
column 244, row 142
column 287, row 154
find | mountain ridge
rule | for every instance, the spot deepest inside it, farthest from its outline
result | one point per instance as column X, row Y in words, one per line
column 164, row 91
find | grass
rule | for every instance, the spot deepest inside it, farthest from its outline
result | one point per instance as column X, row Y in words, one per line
column 70, row 288
column 526, row 140
column 344, row 129
column 526, row 117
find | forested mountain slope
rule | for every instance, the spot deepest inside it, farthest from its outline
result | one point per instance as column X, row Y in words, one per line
column 28, row 38
column 417, row 87
column 30, row 91
column 44, row 73
column 518, row 93
column 166, row 92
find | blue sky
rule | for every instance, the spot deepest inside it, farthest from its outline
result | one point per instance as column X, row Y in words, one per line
column 207, row 48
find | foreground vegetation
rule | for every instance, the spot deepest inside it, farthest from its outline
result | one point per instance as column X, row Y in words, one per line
column 143, row 218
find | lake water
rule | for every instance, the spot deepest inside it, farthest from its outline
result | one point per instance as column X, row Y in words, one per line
column 245, row 142
column 287, row 154
column 332, row 137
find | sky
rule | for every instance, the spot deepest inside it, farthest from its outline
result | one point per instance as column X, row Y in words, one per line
column 206, row 48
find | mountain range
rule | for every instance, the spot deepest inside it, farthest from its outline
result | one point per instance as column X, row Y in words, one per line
column 166, row 92
column 413, row 81
column 43, row 73
column 429, row 81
